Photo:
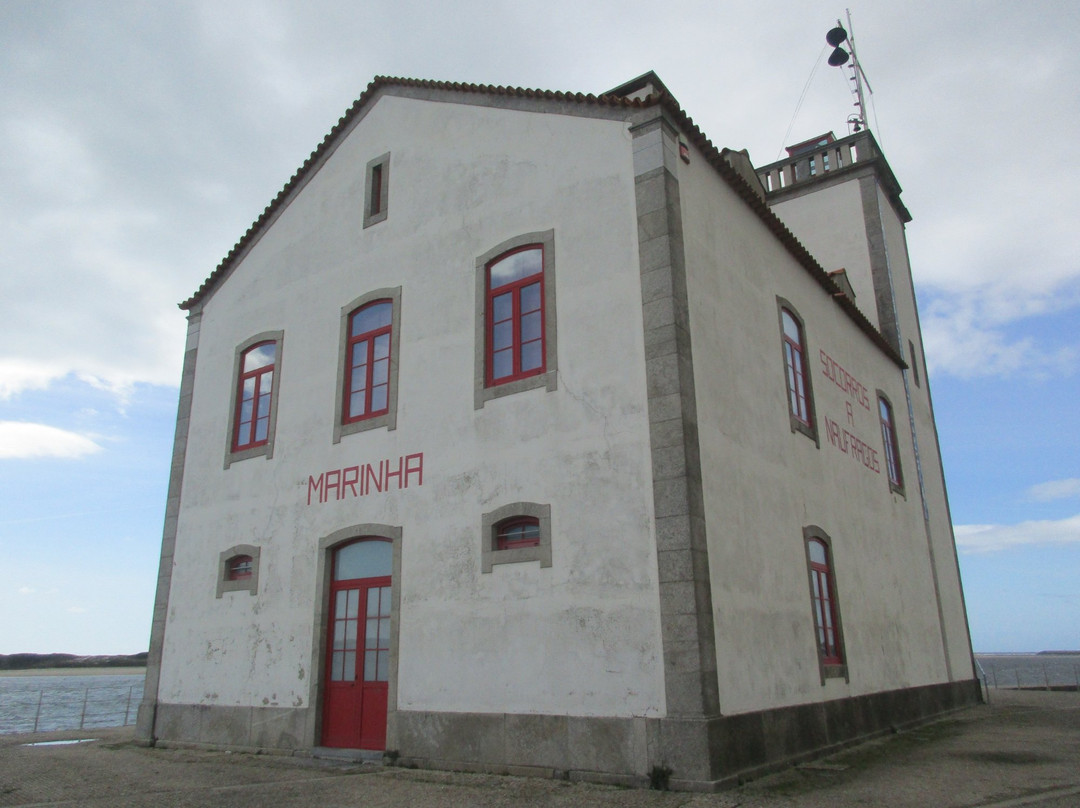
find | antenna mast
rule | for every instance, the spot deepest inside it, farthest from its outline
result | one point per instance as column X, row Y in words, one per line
column 838, row 58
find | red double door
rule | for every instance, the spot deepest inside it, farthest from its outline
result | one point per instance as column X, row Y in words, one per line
column 358, row 648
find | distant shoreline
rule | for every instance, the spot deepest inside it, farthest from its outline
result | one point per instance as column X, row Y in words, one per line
column 1027, row 653
column 95, row 671
column 42, row 662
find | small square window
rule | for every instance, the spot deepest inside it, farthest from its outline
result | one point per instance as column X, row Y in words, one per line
column 515, row 533
column 238, row 570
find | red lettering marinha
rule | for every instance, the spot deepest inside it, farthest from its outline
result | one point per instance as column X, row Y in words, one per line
column 361, row 480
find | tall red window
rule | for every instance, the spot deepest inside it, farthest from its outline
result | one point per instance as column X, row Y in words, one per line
column 823, row 594
column 515, row 315
column 521, row 531
column 892, row 448
column 253, row 401
column 367, row 361
column 795, row 361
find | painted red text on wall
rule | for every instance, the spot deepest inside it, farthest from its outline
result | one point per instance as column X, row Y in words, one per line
column 852, row 446
column 844, row 380
column 361, row 480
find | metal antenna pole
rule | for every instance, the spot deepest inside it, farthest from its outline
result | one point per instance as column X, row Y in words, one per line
column 858, row 76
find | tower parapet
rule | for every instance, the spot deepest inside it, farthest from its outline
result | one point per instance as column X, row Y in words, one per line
column 827, row 159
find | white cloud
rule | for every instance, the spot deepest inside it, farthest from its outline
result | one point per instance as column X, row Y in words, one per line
column 995, row 327
column 19, row 375
column 19, row 439
column 133, row 162
column 988, row 538
column 1055, row 489
column 961, row 338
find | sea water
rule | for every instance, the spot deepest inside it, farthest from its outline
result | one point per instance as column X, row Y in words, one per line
column 31, row 703
column 1030, row 670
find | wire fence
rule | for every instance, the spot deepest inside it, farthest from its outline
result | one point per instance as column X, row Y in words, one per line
column 66, row 705
column 1030, row 672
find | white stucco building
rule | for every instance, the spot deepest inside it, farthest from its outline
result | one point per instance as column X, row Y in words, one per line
column 530, row 432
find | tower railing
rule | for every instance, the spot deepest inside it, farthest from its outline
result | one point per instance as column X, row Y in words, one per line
column 818, row 161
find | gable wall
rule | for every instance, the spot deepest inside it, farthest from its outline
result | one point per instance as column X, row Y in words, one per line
column 579, row 638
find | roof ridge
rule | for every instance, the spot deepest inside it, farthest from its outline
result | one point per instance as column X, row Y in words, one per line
column 663, row 98
column 372, row 89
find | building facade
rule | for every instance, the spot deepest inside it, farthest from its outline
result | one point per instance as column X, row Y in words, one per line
column 529, row 432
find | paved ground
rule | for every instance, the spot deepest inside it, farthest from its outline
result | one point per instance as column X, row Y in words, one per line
column 1024, row 749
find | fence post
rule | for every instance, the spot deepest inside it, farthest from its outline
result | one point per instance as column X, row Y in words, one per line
column 1046, row 677
column 37, row 715
column 82, row 718
column 127, row 710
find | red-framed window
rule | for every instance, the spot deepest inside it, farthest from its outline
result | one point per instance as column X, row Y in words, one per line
column 367, row 361
column 892, row 447
column 518, row 531
column 795, row 361
column 253, row 399
column 515, row 315
column 239, row 568
column 823, row 593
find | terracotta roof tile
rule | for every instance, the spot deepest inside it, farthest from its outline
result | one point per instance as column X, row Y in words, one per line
column 377, row 84
column 663, row 98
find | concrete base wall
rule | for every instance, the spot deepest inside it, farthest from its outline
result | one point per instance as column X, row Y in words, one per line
column 701, row 754
column 258, row 728
column 754, row 743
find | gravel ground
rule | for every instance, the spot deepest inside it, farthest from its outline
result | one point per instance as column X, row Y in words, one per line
column 1022, row 749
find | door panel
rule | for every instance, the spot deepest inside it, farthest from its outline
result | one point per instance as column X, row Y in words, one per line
column 376, row 668
column 357, row 652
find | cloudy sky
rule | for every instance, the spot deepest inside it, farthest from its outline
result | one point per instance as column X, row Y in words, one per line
column 139, row 140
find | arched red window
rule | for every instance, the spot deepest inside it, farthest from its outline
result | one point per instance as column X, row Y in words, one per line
column 367, row 361
column 253, row 400
column 515, row 315
column 795, row 360
column 892, row 447
column 823, row 593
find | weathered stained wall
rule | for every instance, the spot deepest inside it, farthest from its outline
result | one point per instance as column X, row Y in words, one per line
column 673, row 627
column 580, row 638
column 765, row 482
column 871, row 244
column 813, row 218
